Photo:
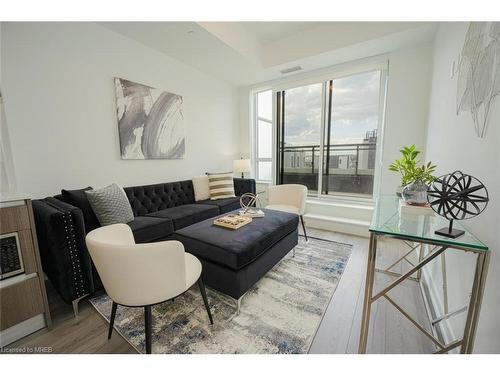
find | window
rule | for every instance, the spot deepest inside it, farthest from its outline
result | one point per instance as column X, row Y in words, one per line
column 351, row 134
column 264, row 136
column 327, row 134
column 300, row 135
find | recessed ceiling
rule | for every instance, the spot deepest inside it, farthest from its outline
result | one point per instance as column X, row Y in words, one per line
column 246, row 53
column 266, row 32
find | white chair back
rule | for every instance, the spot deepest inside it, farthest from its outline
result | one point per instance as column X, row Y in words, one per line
column 289, row 194
column 136, row 274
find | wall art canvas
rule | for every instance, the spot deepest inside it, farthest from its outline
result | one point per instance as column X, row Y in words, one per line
column 150, row 122
column 479, row 73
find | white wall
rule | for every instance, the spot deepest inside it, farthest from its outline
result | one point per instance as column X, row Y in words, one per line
column 407, row 108
column 57, row 84
column 452, row 144
column 406, row 112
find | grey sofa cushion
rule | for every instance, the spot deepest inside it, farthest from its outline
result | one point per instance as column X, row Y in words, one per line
column 225, row 204
column 187, row 214
column 149, row 229
column 110, row 205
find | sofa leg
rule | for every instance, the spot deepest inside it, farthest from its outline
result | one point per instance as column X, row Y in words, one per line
column 75, row 304
column 303, row 227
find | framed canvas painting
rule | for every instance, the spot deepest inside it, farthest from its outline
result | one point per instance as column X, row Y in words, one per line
column 150, row 122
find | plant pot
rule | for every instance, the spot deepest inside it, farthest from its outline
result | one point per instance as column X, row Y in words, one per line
column 415, row 193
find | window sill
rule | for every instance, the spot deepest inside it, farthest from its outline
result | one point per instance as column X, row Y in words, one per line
column 339, row 199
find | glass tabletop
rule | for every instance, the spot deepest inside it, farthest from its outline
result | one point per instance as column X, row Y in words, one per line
column 418, row 224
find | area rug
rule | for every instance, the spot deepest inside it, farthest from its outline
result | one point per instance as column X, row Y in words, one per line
column 279, row 314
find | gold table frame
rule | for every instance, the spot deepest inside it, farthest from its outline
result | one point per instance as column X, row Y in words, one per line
column 466, row 343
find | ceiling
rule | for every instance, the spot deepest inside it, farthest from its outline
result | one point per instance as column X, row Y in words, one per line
column 245, row 53
column 266, row 32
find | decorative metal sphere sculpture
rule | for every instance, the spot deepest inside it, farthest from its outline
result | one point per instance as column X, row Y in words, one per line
column 247, row 201
column 457, row 196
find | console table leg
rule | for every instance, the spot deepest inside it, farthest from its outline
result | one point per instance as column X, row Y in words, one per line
column 475, row 302
column 370, row 274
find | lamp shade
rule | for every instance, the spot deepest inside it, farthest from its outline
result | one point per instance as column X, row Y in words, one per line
column 241, row 166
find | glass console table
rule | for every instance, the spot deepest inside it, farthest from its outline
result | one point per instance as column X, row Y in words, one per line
column 415, row 230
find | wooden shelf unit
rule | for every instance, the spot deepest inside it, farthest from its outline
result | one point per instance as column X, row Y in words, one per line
column 24, row 306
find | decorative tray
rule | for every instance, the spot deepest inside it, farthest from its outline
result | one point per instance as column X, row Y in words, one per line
column 232, row 221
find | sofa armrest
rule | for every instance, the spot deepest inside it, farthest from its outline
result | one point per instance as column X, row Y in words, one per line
column 61, row 239
column 244, row 185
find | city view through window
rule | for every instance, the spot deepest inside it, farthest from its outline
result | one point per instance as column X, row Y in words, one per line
column 349, row 135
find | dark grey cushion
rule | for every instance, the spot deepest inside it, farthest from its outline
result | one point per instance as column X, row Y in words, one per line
column 224, row 204
column 110, row 205
column 149, row 229
column 187, row 214
column 78, row 198
column 237, row 248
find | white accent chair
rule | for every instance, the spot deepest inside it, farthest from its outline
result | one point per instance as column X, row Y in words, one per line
column 289, row 198
column 142, row 275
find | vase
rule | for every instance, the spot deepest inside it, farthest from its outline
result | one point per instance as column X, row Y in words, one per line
column 415, row 193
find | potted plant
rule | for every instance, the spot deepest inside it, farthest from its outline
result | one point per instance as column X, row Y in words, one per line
column 414, row 179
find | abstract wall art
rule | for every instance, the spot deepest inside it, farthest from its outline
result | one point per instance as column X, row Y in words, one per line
column 150, row 122
column 479, row 73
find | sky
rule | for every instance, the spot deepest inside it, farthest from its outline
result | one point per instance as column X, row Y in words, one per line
column 355, row 104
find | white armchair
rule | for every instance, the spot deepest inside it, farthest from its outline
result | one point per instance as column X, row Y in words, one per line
column 142, row 275
column 289, row 198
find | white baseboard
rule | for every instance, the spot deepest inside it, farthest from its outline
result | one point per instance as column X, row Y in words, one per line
column 337, row 224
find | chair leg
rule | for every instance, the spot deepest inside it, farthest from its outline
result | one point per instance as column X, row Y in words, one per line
column 112, row 319
column 204, row 295
column 303, row 227
column 147, row 326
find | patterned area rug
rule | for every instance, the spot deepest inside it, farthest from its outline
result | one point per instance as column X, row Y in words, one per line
column 280, row 314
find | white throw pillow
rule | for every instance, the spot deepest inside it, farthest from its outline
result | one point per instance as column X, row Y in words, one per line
column 201, row 189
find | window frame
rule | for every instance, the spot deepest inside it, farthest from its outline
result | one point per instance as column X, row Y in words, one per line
column 323, row 76
column 255, row 135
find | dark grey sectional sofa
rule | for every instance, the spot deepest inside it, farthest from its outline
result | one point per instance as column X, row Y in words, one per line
column 159, row 210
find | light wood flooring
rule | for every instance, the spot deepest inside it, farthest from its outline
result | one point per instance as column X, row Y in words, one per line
column 338, row 332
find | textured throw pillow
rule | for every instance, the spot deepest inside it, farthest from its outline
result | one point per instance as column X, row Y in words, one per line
column 78, row 198
column 221, row 185
column 201, row 189
column 110, row 205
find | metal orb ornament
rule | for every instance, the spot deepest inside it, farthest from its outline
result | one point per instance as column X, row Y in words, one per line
column 457, row 196
column 248, row 200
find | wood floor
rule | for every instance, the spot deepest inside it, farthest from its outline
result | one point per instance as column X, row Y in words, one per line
column 390, row 332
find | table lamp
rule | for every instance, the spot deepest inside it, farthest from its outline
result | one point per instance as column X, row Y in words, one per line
column 241, row 166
